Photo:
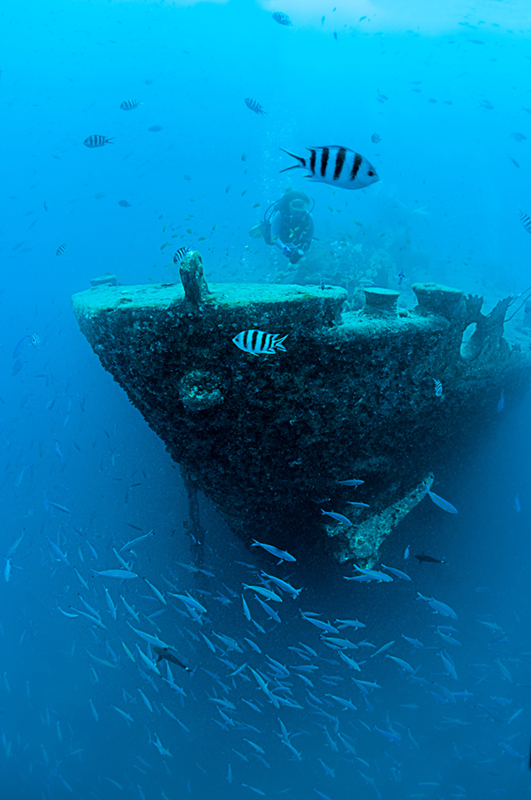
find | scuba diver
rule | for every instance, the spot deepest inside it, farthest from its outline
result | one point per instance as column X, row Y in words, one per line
column 288, row 224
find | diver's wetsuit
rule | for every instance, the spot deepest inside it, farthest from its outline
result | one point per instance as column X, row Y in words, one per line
column 294, row 230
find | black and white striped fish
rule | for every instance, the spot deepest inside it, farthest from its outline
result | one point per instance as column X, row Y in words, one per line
column 180, row 254
column 525, row 220
column 124, row 204
column 128, row 105
column 254, row 106
column 96, row 140
column 60, row 250
column 259, row 342
column 438, row 387
column 337, row 166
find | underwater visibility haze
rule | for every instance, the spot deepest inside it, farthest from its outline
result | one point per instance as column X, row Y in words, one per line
column 324, row 158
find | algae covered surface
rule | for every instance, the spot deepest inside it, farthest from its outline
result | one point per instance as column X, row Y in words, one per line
column 267, row 438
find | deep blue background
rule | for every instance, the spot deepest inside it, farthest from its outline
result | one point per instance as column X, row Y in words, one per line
column 69, row 435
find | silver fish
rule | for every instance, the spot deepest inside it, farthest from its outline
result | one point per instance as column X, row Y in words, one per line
column 397, row 572
column 117, row 573
column 336, row 166
column 336, row 516
column 439, row 501
column 283, row 555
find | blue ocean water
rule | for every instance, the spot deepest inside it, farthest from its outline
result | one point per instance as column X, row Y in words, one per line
column 82, row 713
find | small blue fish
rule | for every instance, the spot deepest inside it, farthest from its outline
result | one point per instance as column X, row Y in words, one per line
column 439, row 501
column 323, row 626
column 406, row 553
column 501, row 402
column 517, row 505
column 438, row 606
column 17, row 366
column 371, row 575
column 57, row 552
column 337, row 517
column 117, row 573
column 401, row 274
column 19, row 346
column 59, row 507
column 283, row 555
column 351, row 482
column 397, row 572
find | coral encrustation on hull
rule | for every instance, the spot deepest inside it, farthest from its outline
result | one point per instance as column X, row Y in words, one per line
column 267, row 438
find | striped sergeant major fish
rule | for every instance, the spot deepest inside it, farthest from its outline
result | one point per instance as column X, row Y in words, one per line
column 180, row 254
column 525, row 219
column 336, row 166
column 259, row 342
column 128, row 105
column 61, row 249
column 253, row 105
column 96, row 140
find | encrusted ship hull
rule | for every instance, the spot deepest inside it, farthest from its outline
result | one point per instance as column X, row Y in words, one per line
column 267, row 438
